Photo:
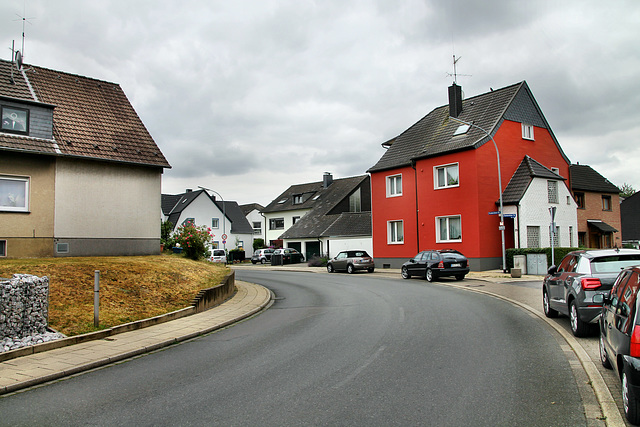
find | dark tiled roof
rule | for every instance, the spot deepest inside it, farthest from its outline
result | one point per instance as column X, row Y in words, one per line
column 517, row 186
column 174, row 204
column 585, row 178
column 350, row 224
column 434, row 134
column 246, row 209
column 322, row 217
column 91, row 118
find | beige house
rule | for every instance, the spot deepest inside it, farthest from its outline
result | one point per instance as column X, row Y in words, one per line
column 80, row 174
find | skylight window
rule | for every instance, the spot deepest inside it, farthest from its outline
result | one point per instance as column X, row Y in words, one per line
column 316, row 197
column 462, row 129
column 282, row 201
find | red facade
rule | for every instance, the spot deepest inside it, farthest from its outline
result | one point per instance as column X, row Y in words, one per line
column 421, row 205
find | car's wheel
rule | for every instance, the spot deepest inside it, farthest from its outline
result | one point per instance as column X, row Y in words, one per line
column 405, row 273
column 460, row 277
column 548, row 311
column 603, row 354
column 263, row 260
column 428, row 275
column 630, row 402
column 330, row 268
column 370, row 270
column 253, row 262
column 578, row 327
column 350, row 269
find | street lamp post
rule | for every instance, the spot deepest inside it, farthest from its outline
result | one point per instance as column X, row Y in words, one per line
column 224, row 216
column 501, row 228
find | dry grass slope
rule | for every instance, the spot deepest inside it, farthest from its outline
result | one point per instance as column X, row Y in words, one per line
column 131, row 288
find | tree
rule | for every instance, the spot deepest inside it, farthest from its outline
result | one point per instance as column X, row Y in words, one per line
column 626, row 190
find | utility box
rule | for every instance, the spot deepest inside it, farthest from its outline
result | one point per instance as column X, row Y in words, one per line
column 537, row 264
column 520, row 261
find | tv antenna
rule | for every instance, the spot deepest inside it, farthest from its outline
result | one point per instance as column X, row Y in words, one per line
column 24, row 20
column 455, row 70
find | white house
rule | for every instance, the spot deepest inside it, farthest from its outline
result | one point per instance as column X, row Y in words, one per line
column 229, row 226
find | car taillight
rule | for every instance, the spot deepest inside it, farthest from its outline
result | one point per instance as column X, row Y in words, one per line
column 634, row 351
column 590, row 283
column 441, row 264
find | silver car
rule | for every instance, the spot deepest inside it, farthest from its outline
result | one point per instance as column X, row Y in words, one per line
column 351, row 261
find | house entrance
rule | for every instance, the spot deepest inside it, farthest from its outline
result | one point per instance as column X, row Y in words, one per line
column 312, row 250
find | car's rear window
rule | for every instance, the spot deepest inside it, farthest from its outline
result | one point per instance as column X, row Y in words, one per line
column 452, row 255
column 218, row 252
column 354, row 254
column 613, row 263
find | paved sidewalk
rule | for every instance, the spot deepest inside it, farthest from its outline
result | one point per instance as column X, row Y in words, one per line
column 27, row 371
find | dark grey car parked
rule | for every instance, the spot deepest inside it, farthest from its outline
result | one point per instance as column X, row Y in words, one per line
column 436, row 263
column 569, row 288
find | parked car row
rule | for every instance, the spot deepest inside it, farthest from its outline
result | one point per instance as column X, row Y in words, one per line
column 598, row 289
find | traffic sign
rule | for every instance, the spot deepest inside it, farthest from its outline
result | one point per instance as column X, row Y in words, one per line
column 224, row 237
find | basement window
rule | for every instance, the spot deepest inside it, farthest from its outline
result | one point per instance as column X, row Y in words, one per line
column 3, row 248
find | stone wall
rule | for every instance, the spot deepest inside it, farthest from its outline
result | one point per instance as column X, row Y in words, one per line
column 24, row 305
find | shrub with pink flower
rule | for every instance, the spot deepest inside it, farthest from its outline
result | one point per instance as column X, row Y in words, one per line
column 193, row 239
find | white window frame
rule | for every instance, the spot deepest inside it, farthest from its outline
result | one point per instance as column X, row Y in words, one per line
column 392, row 182
column 215, row 223
column 392, row 232
column 436, row 182
column 6, row 200
column 447, row 218
column 527, row 132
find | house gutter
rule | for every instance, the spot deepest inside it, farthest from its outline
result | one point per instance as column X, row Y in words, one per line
column 415, row 178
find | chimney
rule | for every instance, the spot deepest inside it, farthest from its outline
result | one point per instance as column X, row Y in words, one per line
column 455, row 100
column 188, row 190
column 327, row 179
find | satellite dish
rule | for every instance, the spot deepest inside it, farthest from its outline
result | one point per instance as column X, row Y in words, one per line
column 19, row 59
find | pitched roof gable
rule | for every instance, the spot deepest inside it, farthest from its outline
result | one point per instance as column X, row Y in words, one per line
column 522, row 177
column 91, row 118
column 433, row 135
column 585, row 178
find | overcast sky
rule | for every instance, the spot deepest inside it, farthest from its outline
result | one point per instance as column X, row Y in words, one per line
column 250, row 97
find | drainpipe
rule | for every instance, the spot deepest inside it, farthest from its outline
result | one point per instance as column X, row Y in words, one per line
column 415, row 178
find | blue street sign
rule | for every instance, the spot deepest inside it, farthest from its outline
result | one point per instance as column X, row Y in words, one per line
column 494, row 213
column 509, row 215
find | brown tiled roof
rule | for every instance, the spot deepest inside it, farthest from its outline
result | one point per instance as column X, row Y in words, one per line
column 92, row 118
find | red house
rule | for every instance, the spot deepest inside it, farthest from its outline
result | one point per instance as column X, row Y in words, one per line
column 437, row 184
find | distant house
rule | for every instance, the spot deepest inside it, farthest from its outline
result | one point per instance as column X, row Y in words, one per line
column 437, row 185
column 79, row 173
column 630, row 220
column 322, row 218
column 253, row 213
column 598, row 203
column 229, row 226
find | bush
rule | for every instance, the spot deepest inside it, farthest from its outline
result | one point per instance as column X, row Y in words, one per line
column 194, row 240
column 258, row 244
column 317, row 262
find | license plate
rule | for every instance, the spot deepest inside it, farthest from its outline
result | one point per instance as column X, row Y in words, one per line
column 455, row 265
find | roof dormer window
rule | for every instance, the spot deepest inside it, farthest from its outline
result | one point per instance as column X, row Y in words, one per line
column 297, row 199
column 15, row 120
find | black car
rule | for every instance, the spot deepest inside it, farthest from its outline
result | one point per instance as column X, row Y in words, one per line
column 351, row 261
column 286, row 256
column 620, row 338
column 569, row 288
column 436, row 263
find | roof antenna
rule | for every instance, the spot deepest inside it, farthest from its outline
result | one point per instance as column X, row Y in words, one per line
column 24, row 20
column 455, row 70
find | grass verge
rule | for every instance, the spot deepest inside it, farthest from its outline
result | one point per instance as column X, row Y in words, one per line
column 131, row 288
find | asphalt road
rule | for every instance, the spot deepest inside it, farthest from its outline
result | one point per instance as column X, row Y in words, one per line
column 334, row 350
